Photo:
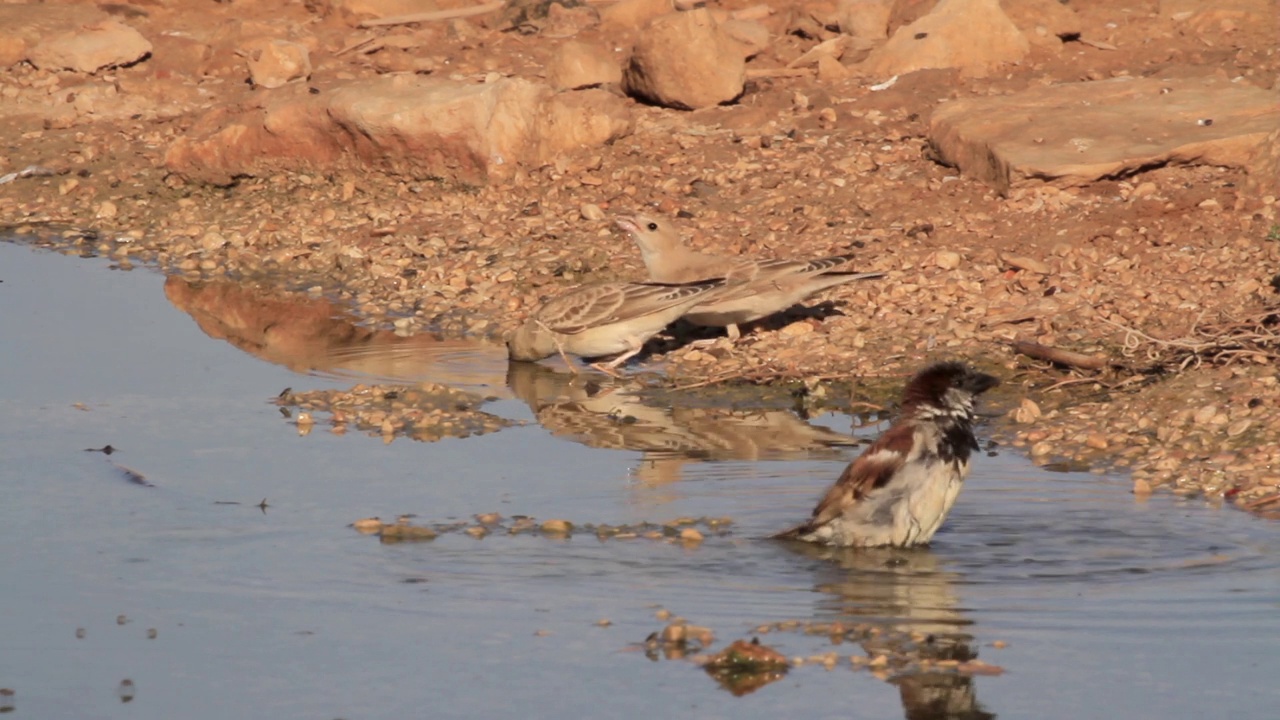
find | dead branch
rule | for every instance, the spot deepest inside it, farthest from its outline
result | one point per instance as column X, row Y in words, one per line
column 434, row 16
column 1068, row 358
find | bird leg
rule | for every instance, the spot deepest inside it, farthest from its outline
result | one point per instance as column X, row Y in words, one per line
column 573, row 368
column 734, row 332
column 609, row 368
column 555, row 338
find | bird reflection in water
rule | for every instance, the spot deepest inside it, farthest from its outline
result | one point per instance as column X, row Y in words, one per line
column 910, row 593
column 607, row 413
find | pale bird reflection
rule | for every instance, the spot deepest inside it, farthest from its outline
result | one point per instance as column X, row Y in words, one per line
column 669, row 432
column 912, row 591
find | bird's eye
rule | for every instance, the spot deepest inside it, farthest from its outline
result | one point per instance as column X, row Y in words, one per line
column 653, row 226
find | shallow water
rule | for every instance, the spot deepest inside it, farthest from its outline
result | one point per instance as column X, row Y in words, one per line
column 1110, row 607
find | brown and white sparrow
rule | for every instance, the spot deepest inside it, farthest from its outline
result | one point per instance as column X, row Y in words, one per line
column 755, row 288
column 898, row 492
column 595, row 321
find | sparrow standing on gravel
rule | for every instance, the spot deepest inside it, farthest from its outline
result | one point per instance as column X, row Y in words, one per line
column 900, row 489
column 755, row 288
column 604, row 319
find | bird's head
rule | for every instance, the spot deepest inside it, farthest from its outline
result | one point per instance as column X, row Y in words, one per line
column 652, row 234
column 946, row 388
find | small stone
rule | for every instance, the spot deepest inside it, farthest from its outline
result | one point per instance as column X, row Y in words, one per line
column 402, row 532
column 212, row 241
column 1238, row 427
column 674, row 633
column 1205, row 415
column 946, row 259
column 1028, row 412
column 1141, row 487
column 106, row 210
column 1145, row 189
column 1097, row 441
column 557, row 527
column 796, row 329
column 691, row 535
column 591, row 211
column 1025, row 263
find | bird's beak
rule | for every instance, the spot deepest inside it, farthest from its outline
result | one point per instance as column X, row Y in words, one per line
column 627, row 223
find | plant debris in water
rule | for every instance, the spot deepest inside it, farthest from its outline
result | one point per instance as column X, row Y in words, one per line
column 686, row 531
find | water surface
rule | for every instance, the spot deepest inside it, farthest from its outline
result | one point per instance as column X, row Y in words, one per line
column 1109, row 607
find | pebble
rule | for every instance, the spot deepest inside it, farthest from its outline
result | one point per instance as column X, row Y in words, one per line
column 946, row 259
column 557, row 527
column 691, row 535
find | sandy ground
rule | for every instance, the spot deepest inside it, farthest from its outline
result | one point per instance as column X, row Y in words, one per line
column 1168, row 277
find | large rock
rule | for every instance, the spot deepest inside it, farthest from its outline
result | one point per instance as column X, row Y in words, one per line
column 416, row 126
column 1264, row 167
column 274, row 63
column 633, row 14
column 1201, row 16
column 751, row 37
column 1044, row 22
column 89, row 48
column 577, row 64
column 972, row 36
column 866, row 19
column 1075, row 133
column 685, row 61
column 905, row 12
column 25, row 25
column 181, row 56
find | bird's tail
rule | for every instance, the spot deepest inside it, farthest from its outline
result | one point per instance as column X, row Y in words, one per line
column 795, row 533
column 840, row 277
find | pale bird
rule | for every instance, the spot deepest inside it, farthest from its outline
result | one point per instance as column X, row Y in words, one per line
column 898, row 492
column 755, row 288
column 615, row 318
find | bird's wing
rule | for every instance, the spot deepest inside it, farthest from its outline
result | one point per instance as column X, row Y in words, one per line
column 874, row 468
column 772, row 268
column 596, row 305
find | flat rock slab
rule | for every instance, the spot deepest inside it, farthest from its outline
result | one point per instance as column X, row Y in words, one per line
column 26, row 25
column 418, row 127
column 1074, row 134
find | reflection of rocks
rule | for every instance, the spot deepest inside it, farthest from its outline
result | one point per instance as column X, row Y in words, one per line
column 310, row 335
column 925, row 652
column 307, row 335
column 425, row 412
column 607, row 414
column 744, row 667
